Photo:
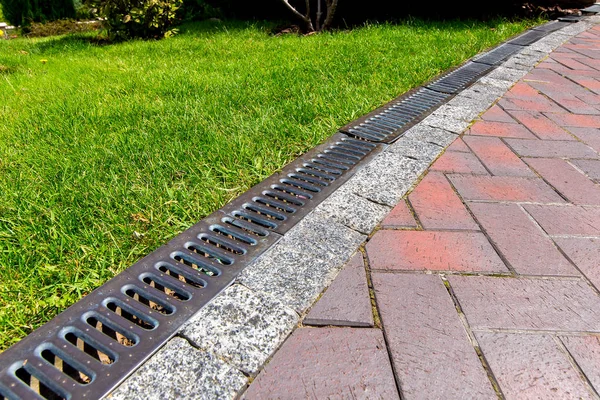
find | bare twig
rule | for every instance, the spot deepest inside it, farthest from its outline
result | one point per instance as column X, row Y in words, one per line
column 305, row 18
column 331, row 7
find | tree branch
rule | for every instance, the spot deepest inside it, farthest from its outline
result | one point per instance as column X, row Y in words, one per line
column 305, row 18
column 331, row 7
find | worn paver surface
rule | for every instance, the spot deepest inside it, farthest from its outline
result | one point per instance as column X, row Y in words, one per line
column 484, row 281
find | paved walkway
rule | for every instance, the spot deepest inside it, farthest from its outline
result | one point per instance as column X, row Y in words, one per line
column 485, row 281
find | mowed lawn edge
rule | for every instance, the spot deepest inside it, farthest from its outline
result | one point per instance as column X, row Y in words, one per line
column 107, row 152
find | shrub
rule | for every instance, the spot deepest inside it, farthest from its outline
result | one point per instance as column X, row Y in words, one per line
column 126, row 19
column 24, row 12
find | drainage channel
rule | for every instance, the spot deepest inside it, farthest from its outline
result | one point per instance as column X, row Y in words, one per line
column 87, row 350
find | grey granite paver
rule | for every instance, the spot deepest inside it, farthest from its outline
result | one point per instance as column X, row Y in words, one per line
column 303, row 262
column 346, row 302
column 528, row 304
column 179, row 371
column 531, row 367
column 242, row 327
column 387, row 178
column 328, row 363
column 430, row 349
column 425, row 133
column 352, row 210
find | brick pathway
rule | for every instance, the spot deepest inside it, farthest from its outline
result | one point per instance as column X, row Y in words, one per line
column 484, row 282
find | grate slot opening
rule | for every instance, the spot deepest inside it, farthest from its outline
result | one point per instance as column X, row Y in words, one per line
column 308, row 179
column 283, row 197
column 316, row 173
column 222, row 244
column 320, row 168
column 84, row 344
column 148, row 300
column 289, row 189
column 278, row 205
column 37, row 385
column 254, row 220
column 300, row 185
column 210, row 252
column 351, row 148
column 374, row 128
column 359, row 143
column 181, row 276
column 160, row 285
column 196, row 264
column 378, row 121
column 77, row 374
column 328, row 163
column 241, row 224
column 231, row 234
column 263, row 212
column 109, row 329
column 338, row 153
column 129, row 314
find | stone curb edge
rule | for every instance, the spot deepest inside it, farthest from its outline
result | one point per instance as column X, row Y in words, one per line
column 219, row 351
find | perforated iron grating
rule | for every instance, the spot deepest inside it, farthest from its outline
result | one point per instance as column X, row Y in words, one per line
column 498, row 55
column 460, row 78
column 88, row 349
column 388, row 122
column 551, row 26
column 528, row 38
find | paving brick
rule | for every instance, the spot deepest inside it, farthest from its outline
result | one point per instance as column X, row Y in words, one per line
column 459, row 163
column 504, row 188
column 575, row 186
column 496, row 114
column 541, row 126
column 575, row 120
column 432, row 251
column 328, row 363
column 346, row 302
column 458, row 145
column 589, row 136
column 500, row 129
column 527, row 304
column 521, row 242
column 437, row 205
column 590, row 167
column 522, row 90
column 557, row 220
column 400, row 217
column 555, row 148
column 538, row 103
column 431, row 352
column 497, row 157
column 571, row 63
column 586, row 352
column 584, row 253
column 531, row 367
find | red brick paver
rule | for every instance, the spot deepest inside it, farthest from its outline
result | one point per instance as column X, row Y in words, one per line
column 437, row 205
column 497, row 157
column 428, row 344
column 433, row 251
column 504, row 188
column 341, row 363
column 347, row 301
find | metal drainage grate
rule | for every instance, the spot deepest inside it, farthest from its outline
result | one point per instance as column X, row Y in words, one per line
column 570, row 18
column 528, row 38
column 460, row 78
column 551, row 26
column 498, row 55
column 594, row 9
column 87, row 350
column 387, row 123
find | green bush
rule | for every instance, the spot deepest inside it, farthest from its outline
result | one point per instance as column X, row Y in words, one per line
column 24, row 12
column 147, row 19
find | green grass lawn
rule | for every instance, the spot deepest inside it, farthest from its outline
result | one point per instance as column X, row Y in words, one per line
column 97, row 142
